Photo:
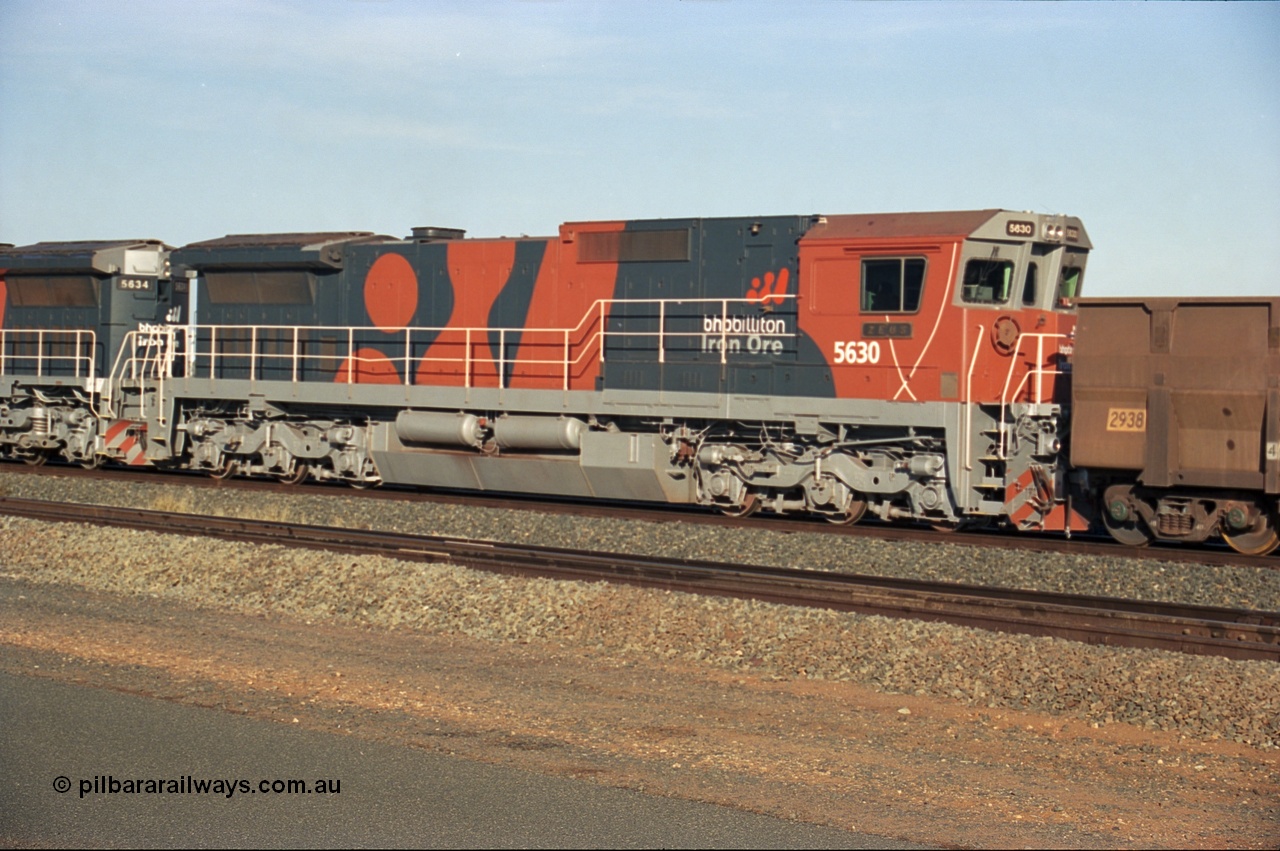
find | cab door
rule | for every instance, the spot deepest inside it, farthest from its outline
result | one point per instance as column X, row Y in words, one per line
column 876, row 312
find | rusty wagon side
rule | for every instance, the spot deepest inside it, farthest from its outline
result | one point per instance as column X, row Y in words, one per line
column 1176, row 417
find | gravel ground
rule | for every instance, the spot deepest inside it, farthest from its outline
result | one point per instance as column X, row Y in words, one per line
column 1197, row 697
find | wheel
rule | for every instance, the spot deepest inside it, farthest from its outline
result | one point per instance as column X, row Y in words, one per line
column 1257, row 541
column 1131, row 533
column 749, row 506
column 36, row 459
column 91, row 463
column 224, row 469
column 296, row 476
column 1122, row 522
column 852, row 513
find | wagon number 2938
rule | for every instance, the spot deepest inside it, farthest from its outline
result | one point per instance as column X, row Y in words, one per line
column 857, row 351
column 1126, row 419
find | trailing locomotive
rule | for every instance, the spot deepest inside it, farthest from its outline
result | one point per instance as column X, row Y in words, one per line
column 911, row 366
column 66, row 312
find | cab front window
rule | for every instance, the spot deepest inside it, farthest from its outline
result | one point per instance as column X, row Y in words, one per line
column 1071, row 278
column 987, row 281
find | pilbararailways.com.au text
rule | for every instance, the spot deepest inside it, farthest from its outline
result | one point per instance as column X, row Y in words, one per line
column 106, row 784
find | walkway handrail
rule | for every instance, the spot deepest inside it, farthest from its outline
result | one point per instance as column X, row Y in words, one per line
column 572, row 346
column 84, row 365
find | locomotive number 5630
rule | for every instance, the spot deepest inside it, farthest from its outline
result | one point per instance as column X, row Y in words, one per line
column 857, row 351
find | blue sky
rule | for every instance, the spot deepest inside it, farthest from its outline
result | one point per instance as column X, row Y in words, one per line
column 1157, row 123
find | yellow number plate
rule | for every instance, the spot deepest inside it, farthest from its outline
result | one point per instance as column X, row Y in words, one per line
column 1126, row 419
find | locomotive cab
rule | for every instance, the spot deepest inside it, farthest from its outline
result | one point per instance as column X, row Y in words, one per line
column 1030, row 288
column 967, row 318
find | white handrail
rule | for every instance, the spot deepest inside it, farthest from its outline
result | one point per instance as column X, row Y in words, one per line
column 1036, row 369
column 968, row 401
column 158, row 345
column 84, row 365
column 574, row 344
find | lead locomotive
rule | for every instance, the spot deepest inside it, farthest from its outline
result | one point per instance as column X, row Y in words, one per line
column 915, row 366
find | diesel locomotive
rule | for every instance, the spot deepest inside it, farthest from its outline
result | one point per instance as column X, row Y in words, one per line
column 912, row 366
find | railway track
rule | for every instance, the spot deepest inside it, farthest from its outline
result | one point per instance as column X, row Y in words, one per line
column 992, row 539
column 1232, row 633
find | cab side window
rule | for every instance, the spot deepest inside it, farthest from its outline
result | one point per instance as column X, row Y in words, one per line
column 892, row 285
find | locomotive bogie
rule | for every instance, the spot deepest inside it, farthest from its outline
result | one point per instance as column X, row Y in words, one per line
column 37, row 423
column 291, row 450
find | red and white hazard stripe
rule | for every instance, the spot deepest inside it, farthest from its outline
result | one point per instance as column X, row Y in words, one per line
column 123, row 445
column 1018, row 503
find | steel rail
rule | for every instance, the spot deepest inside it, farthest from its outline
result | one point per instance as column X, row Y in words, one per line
column 1080, row 544
column 1232, row 633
